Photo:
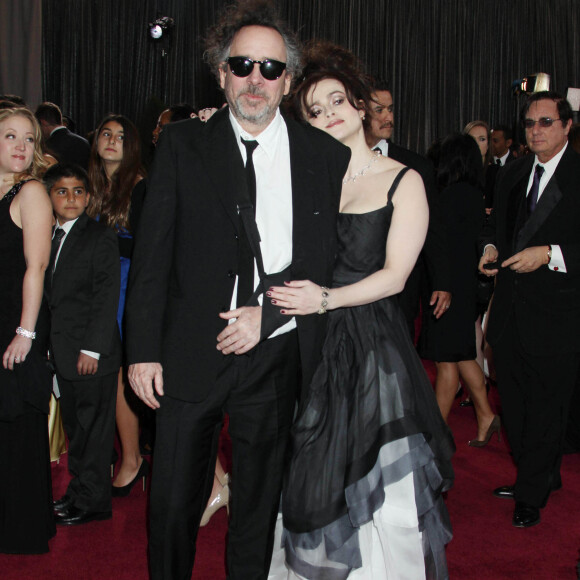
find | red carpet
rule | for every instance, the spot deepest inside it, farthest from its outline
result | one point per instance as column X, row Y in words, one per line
column 485, row 545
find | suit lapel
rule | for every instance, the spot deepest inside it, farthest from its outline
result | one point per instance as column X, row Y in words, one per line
column 305, row 200
column 223, row 158
column 547, row 202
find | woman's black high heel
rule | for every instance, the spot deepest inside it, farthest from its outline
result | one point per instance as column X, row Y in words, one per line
column 494, row 427
column 126, row 489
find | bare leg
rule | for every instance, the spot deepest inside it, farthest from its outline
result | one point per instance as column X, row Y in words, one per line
column 446, row 386
column 128, row 428
column 474, row 378
column 479, row 342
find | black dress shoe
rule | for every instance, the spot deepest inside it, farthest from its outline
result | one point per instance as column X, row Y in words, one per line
column 74, row 516
column 62, row 504
column 505, row 491
column 525, row 515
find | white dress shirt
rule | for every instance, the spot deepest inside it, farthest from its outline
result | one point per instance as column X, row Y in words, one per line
column 557, row 261
column 273, row 199
column 501, row 159
column 383, row 145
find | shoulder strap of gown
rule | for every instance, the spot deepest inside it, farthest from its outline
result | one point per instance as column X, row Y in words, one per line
column 395, row 183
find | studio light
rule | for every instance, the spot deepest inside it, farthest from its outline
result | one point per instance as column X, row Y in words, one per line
column 160, row 26
column 532, row 84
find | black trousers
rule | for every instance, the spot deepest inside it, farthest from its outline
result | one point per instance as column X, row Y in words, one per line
column 535, row 395
column 88, row 416
column 258, row 391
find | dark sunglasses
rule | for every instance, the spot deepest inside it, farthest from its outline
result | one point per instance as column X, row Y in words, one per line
column 542, row 121
column 242, row 66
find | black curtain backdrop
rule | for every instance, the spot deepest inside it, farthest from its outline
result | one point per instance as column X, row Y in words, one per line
column 448, row 61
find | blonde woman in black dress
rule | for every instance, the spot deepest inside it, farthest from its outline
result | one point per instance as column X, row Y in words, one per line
column 26, row 522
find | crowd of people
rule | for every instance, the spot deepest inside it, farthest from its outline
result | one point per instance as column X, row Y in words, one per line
column 272, row 267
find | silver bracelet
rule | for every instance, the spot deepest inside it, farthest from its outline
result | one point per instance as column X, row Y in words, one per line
column 324, row 303
column 26, row 333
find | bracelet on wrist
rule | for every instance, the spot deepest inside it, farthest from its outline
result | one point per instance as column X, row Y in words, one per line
column 324, row 303
column 549, row 254
column 26, row 333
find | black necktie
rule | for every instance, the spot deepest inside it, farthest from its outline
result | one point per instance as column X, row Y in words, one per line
column 378, row 149
column 498, row 162
column 535, row 189
column 246, row 260
column 56, row 240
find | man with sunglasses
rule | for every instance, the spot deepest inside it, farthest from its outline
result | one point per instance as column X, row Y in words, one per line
column 199, row 343
column 532, row 242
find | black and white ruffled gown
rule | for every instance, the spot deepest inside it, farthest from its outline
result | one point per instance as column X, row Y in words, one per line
column 371, row 453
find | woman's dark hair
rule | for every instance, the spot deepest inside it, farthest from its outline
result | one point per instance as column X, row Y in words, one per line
column 181, row 111
column 111, row 200
column 459, row 161
column 324, row 60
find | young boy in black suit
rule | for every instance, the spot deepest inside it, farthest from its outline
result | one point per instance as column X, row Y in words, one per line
column 82, row 290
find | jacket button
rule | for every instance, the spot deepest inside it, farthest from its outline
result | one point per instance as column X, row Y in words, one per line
column 236, row 236
column 231, row 274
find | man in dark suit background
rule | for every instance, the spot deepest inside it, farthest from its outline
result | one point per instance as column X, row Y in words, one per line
column 66, row 146
column 500, row 143
column 195, row 350
column 534, row 237
column 433, row 256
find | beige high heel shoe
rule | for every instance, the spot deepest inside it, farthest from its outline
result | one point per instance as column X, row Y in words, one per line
column 221, row 500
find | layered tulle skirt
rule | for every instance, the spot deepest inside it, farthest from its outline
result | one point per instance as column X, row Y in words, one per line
column 371, row 456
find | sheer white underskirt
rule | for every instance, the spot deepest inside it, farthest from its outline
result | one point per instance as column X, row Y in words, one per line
column 391, row 544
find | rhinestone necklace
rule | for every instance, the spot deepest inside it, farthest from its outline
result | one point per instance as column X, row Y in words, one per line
column 374, row 158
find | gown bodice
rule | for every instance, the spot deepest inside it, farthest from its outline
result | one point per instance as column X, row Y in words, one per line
column 362, row 242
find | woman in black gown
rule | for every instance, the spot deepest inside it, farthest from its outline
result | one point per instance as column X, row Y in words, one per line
column 26, row 520
column 370, row 451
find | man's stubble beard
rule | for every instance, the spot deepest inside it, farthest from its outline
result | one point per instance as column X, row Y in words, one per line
column 246, row 113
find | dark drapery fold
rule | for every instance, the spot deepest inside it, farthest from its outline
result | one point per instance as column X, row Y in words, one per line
column 448, row 61
column 20, row 49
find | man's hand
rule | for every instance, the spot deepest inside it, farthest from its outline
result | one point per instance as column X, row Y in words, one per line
column 528, row 260
column 243, row 334
column 142, row 377
column 86, row 364
column 442, row 301
column 490, row 255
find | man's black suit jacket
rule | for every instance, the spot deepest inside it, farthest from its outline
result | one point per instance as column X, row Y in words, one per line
column 545, row 304
column 490, row 177
column 435, row 249
column 83, row 299
column 185, row 259
column 69, row 147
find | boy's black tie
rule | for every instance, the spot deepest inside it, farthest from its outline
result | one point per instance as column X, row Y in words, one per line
column 56, row 240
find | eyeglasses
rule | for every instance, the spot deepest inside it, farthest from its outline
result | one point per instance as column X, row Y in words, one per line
column 542, row 121
column 242, row 66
